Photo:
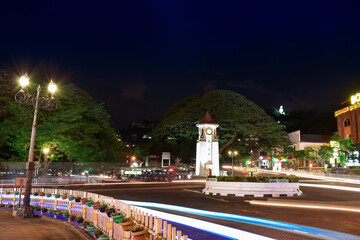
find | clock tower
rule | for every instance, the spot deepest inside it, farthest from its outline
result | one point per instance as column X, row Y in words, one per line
column 207, row 148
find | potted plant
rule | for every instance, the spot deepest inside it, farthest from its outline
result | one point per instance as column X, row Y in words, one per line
column 116, row 216
column 22, row 193
column 89, row 203
column 48, row 194
column 86, row 224
column 64, row 196
column 90, row 228
column 104, row 237
column 109, row 211
column 71, row 197
column 57, row 195
column 58, row 212
column 35, row 194
column 102, row 207
column 96, row 206
column 38, row 208
column 79, row 219
column 16, row 193
column 7, row 192
column 9, row 205
column 65, row 214
column 2, row 205
column 41, row 194
column 72, row 217
column 98, row 232
column 139, row 232
column 44, row 209
column 51, row 211
column 77, row 199
column 84, row 200
column 126, row 223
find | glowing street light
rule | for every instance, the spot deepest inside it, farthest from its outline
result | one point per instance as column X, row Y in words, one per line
column 232, row 154
column 24, row 81
column 37, row 102
column 46, row 151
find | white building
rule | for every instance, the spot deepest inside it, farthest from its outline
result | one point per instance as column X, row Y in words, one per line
column 207, row 148
column 301, row 141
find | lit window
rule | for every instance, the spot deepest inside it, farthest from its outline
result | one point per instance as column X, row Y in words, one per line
column 347, row 122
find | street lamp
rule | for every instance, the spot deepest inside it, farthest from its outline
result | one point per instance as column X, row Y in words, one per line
column 37, row 102
column 252, row 144
column 232, row 154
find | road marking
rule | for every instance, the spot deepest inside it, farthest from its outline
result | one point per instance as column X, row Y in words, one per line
column 217, row 199
column 188, row 190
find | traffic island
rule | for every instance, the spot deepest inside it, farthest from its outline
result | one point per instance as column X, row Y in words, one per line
column 239, row 186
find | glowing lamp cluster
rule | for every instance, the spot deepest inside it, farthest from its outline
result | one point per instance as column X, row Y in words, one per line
column 25, row 80
column 233, row 153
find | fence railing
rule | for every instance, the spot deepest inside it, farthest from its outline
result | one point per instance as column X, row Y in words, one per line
column 156, row 228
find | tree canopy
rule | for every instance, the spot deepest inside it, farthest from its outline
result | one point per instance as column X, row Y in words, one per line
column 78, row 130
column 238, row 118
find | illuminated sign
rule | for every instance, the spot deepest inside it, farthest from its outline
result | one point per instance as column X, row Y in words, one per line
column 355, row 98
column 355, row 103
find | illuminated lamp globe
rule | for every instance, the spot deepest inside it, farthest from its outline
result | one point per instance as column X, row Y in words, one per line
column 24, row 80
column 52, row 87
column 46, row 150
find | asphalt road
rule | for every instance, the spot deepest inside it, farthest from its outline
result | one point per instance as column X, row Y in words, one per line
column 189, row 195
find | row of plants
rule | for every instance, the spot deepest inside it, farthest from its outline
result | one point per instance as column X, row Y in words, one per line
column 138, row 230
column 264, row 179
column 9, row 205
column 56, row 195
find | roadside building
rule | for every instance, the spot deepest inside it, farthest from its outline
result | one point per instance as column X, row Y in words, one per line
column 302, row 141
column 348, row 119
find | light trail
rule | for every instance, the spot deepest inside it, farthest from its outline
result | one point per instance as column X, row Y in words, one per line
column 289, row 227
column 297, row 205
column 218, row 229
column 330, row 179
column 353, row 189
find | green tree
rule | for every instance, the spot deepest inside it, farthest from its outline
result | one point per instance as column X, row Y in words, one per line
column 325, row 152
column 238, row 118
column 79, row 130
column 346, row 148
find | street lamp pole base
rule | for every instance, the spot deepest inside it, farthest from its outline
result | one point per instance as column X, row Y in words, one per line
column 25, row 212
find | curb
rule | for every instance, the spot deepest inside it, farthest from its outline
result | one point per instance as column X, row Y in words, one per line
column 82, row 234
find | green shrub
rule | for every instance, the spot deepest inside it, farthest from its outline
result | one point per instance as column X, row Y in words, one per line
column 253, row 179
column 293, row 178
column 264, row 179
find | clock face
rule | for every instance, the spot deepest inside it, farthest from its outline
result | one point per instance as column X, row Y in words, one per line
column 209, row 131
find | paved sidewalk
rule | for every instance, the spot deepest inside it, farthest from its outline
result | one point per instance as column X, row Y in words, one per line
column 43, row 228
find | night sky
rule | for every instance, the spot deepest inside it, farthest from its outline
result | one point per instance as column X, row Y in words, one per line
column 140, row 57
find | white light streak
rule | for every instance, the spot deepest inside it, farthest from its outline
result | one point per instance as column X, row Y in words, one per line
column 297, row 205
column 204, row 225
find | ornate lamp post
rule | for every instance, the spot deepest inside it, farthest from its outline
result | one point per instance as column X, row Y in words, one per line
column 37, row 102
column 232, row 154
